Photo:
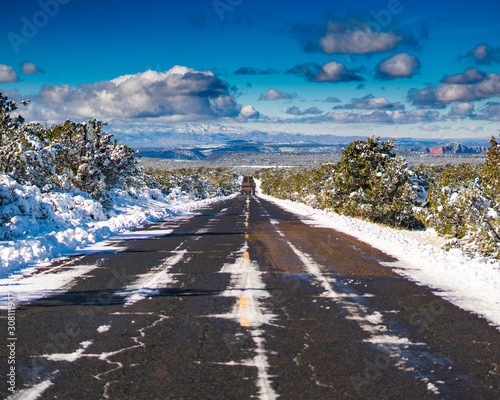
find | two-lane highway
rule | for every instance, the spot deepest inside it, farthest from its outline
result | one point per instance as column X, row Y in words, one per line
column 244, row 300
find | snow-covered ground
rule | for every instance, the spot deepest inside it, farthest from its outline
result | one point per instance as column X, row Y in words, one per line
column 472, row 284
column 46, row 226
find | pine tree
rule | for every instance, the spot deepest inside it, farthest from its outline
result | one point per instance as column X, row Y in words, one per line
column 371, row 181
column 491, row 172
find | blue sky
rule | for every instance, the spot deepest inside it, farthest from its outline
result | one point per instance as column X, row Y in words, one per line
column 392, row 68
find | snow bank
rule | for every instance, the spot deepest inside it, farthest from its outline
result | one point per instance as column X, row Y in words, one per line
column 470, row 283
column 42, row 226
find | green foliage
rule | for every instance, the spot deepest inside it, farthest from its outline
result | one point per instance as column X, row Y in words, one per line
column 73, row 155
column 200, row 183
column 490, row 173
column 90, row 159
column 463, row 205
column 370, row 181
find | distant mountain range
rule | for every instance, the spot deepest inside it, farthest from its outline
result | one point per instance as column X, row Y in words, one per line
column 455, row 148
column 189, row 135
column 198, row 134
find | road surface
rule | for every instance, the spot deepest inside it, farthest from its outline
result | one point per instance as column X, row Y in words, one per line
column 244, row 300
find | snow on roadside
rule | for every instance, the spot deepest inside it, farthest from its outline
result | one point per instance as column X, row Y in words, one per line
column 64, row 223
column 472, row 284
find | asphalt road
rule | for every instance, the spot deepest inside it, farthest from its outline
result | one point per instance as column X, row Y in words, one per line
column 244, row 300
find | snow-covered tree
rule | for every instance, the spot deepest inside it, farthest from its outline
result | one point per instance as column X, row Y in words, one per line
column 9, row 136
column 89, row 159
column 371, row 181
column 460, row 208
column 491, row 172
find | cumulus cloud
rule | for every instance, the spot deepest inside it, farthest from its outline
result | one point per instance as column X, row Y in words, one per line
column 461, row 111
column 401, row 65
column 430, row 128
column 255, row 71
column 369, row 117
column 483, row 54
column 178, row 94
column 249, row 112
column 330, row 72
column 313, row 111
column 369, row 102
column 475, row 128
column 7, row 74
column 469, row 86
column 491, row 112
column 294, row 110
column 425, row 98
column 471, row 75
column 29, row 68
column 356, row 38
column 273, row 94
column 331, row 99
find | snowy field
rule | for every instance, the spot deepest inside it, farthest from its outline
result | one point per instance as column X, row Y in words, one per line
column 471, row 284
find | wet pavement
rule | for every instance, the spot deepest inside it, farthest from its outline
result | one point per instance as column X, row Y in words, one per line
column 245, row 300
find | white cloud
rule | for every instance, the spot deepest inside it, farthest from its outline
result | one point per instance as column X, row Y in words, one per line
column 480, row 52
column 273, row 94
column 369, row 102
column 368, row 117
column 178, row 94
column 330, row 72
column 248, row 112
column 7, row 74
column 469, row 86
column 490, row 113
column 331, row 99
column 401, row 65
column 30, row 68
column 294, row 110
column 475, row 128
column 461, row 111
column 471, row 75
column 356, row 39
column 430, row 128
column 483, row 54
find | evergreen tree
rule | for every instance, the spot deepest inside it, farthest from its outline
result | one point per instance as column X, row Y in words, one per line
column 491, row 172
column 371, row 181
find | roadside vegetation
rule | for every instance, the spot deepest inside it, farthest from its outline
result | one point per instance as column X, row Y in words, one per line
column 78, row 171
column 200, row 183
column 460, row 202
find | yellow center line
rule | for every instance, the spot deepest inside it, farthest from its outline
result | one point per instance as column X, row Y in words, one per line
column 246, row 255
column 244, row 319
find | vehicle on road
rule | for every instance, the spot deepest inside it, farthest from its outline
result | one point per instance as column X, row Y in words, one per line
column 248, row 185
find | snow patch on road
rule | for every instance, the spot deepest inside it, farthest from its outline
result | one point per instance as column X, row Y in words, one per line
column 158, row 278
column 371, row 322
column 31, row 393
column 103, row 328
column 75, row 230
column 470, row 283
column 30, row 283
column 36, row 285
column 247, row 286
column 69, row 357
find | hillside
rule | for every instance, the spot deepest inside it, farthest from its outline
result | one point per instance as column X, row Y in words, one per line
column 455, row 148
